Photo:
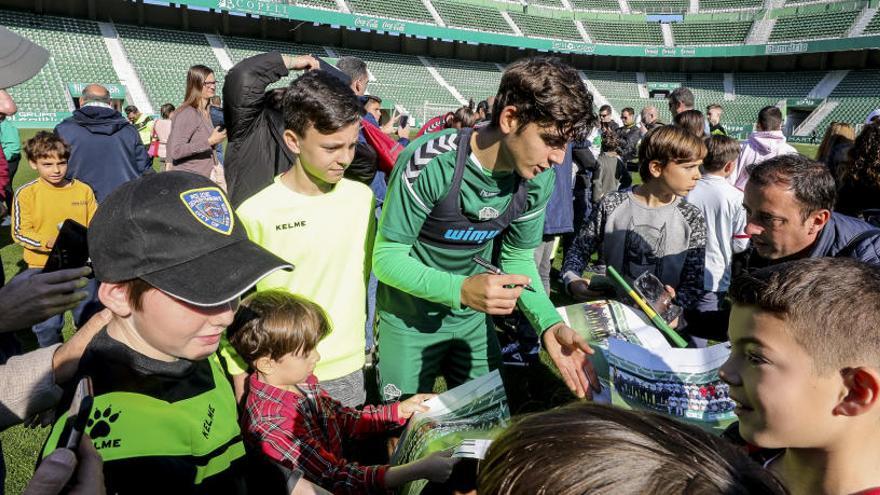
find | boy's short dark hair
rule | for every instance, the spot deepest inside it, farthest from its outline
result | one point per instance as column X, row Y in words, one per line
column 319, row 100
column 770, row 118
column 666, row 144
column 720, row 150
column 831, row 306
column 130, row 109
column 587, row 448
column 46, row 144
column 545, row 91
column 811, row 181
column 628, row 110
column 272, row 323
column 610, row 140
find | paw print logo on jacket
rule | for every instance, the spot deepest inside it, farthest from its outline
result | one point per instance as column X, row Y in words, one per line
column 100, row 422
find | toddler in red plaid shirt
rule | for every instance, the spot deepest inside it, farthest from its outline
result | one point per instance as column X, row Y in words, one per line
column 296, row 423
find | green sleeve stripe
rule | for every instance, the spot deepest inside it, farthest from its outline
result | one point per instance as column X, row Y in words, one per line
column 415, row 196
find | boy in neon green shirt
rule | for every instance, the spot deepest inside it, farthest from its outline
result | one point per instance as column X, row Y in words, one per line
column 450, row 196
column 322, row 223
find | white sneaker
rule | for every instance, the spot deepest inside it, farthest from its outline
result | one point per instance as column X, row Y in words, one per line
column 7, row 221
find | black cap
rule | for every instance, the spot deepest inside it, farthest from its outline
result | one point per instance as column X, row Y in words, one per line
column 177, row 232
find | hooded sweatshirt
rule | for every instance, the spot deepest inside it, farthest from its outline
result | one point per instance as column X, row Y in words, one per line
column 761, row 146
column 105, row 149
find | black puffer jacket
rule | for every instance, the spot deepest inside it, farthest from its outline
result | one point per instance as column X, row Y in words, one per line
column 256, row 152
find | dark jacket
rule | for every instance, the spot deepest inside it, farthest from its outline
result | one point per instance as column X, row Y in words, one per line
column 629, row 142
column 105, row 149
column 842, row 237
column 255, row 150
column 559, row 213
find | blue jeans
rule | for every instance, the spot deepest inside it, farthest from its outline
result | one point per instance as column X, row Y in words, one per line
column 49, row 332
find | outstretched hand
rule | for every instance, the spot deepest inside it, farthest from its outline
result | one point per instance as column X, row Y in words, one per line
column 569, row 352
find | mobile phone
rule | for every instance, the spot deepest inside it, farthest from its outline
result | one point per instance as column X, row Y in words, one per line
column 71, row 249
column 653, row 291
column 78, row 414
column 404, row 120
column 333, row 71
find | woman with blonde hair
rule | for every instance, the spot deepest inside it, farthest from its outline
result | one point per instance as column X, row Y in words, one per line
column 838, row 139
column 191, row 144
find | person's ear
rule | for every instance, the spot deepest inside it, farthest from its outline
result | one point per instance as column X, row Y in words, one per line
column 655, row 168
column 508, row 121
column 292, row 141
column 728, row 167
column 115, row 298
column 862, row 388
column 818, row 219
column 265, row 365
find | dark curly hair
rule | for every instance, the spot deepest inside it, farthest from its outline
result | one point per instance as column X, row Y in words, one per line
column 864, row 158
column 547, row 92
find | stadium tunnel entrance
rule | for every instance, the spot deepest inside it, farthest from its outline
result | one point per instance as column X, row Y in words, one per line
column 797, row 111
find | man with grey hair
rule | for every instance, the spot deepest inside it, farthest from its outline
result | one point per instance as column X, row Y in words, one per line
column 681, row 99
column 650, row 119
column 105, row 149
column 356, row 70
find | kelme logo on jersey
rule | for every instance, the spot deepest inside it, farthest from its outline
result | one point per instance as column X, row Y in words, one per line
column 470, row 235
column 210, row 207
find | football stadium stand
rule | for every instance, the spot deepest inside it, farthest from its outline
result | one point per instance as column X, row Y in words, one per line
column 813, row 26
column 711, row 32
column 162, row 57
column 546, row 27
column 78, row 55
column 471, row 16
column 598, row 5
column 429, row 84
column 412, row 11
column 625, row 32
column 707, row 5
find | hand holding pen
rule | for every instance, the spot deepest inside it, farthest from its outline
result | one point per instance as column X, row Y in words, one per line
column 493, row 292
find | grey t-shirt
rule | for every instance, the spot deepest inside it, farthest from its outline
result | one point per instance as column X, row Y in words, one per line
column 669, row 241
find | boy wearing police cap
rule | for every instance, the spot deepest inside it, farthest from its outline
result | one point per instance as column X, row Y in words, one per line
column 172, row 261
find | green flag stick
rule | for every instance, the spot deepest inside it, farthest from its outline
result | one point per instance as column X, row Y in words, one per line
column 656, row 319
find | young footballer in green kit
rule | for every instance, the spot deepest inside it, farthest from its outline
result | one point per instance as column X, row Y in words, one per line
column 450, row 197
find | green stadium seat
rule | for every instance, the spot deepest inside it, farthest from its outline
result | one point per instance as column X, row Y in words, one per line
column 321, row 4
column 625, row 33
column 873, row 27
column 813, row 26
column 469, row 16
column 658, row 6
column 730, row 4
column 410, row 11
column 710, row 32
column 546, row 27
column 602, row 5
column 162, row 58
column 78, row 54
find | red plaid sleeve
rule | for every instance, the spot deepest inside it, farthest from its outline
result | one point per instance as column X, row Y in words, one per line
column 280, row 423
column 370, row 419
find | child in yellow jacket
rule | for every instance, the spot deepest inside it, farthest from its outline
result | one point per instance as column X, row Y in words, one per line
column 38, row 210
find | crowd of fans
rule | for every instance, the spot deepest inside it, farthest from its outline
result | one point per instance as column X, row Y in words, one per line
column 353, row 250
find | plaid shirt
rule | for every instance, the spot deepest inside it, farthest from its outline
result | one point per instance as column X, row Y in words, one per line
column 307, row 432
